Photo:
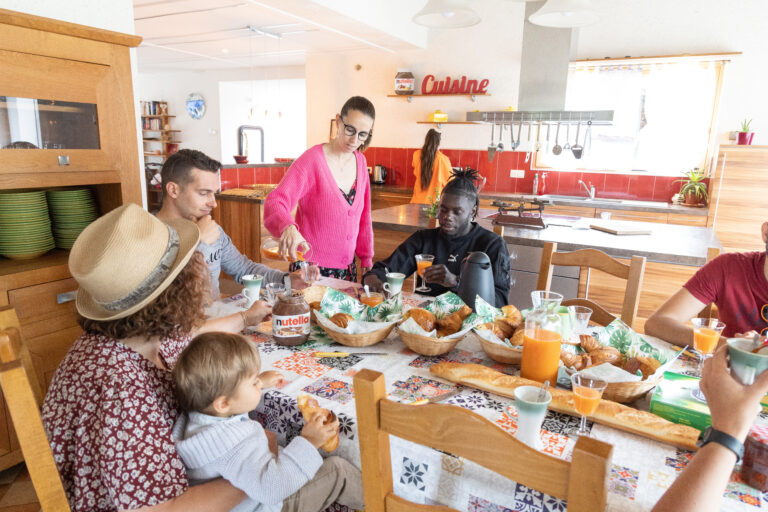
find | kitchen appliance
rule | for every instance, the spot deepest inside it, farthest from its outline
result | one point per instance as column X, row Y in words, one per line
column 476, row 278
column 519, row 215
column 379, row 174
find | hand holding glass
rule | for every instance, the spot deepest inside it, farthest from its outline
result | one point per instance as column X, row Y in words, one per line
column 422, row 261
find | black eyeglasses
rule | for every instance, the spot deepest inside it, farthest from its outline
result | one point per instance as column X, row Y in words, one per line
column 351, row 130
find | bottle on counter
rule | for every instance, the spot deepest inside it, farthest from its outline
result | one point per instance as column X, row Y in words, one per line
column 542, row 189
column 404, row 82
column 535, row 190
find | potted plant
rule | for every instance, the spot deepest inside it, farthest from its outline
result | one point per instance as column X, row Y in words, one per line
column 694, row 189
column 745, row 136
column 434, row 204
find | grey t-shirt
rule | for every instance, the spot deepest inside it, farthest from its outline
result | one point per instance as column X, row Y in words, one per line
column 223, row 255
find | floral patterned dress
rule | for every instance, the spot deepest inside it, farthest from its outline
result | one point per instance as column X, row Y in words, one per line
column 108, row 415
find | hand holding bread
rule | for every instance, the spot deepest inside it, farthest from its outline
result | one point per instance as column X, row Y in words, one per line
column 321, row 427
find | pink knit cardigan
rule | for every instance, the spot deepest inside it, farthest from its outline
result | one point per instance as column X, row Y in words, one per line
column 336, row 230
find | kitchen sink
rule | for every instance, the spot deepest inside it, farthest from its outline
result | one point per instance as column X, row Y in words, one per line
column 556, row 197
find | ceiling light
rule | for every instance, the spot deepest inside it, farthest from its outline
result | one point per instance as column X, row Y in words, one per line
column 565, row 14
column 447, row 14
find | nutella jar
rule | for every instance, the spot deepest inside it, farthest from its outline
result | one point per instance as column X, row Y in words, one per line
column 404, row 82
column 290, row 320
column 754, row 467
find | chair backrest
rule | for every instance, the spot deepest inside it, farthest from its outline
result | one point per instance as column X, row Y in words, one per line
column 594, row 259
column 710, row 310
column 459, row 431
column 23, row 406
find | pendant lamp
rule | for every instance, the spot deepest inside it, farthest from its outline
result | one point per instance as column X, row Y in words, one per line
column 565, row 14
column 447, row 14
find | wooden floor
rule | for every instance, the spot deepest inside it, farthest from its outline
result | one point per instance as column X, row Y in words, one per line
column 16, row 492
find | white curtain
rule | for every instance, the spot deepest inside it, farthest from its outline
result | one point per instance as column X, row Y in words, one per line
column 662, row 116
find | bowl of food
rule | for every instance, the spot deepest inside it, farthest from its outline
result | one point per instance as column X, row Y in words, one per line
column 440, row 335
column 241, row 159
column 498, row 346
column 359, row 339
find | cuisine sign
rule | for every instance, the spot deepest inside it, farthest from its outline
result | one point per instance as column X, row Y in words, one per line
column 430, row 85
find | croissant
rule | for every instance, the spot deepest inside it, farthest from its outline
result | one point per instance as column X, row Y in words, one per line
column 309, row 409
column 517, row 338
column 648, row 365
column 605, row 355
column 491, row 326
column 315, row 305
column 632, row 365
column 424, row 318
column 452, row 323
column 589, row 343
column 512, row 316
column 503, row 326
column 577, row 362
column 342, row 319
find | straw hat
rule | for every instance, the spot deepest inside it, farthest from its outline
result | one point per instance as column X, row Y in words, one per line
column 126, row 258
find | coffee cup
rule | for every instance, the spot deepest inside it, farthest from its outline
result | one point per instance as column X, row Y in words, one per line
column 530, row 414
column 394, row 283
column 745, row 365
column 252, row 287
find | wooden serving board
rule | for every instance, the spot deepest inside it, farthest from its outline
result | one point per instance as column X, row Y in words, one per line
column 621, row 230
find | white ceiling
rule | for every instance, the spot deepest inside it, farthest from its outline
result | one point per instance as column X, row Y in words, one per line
column 214, row 34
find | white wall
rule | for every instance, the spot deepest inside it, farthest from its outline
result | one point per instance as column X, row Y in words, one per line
column 203, row 134
column 490, row 50
column 114, row 15
column 277, row 106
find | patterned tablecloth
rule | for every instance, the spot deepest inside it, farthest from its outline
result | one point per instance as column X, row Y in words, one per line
column 641, row 469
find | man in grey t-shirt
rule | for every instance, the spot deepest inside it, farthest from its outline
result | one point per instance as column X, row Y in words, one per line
column 190, row 181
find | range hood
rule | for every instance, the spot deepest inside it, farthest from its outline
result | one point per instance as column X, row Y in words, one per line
column 543, row 79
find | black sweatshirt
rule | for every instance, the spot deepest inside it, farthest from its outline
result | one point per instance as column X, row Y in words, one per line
column 450, row 252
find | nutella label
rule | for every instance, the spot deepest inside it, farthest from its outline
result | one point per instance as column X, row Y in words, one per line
column 290, row 325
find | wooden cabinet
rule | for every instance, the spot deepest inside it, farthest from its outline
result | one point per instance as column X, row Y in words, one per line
column 633, row 215
column 381, row 199
column 77, row 82
column 573, row 211
column 738, row 205
column 687, row 219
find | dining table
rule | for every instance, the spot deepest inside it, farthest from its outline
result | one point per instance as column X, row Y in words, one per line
column 641, row 469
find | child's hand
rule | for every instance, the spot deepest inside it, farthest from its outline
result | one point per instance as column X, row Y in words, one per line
column 316, row 433
column 271, row 379
column 257, row 312
column 272, row 441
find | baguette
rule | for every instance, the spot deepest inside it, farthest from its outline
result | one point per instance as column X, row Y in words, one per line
column 608, row 413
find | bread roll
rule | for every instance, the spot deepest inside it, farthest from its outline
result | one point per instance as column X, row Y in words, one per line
column 309, row 409
column 517, row 338
column 605, row 355
column 608, row 413
column 451, row 324
column 648, row 366
column 424, row 318
column 342, row 319
column 512, row 316
column 504, row 327
column 491, row 326
column 589, row 343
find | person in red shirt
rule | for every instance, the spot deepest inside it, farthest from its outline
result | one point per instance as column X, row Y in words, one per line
column 737, row 283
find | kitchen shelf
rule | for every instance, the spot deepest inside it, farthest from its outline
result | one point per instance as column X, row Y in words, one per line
column 409, row 97
column 597, row 117
column 440, row 124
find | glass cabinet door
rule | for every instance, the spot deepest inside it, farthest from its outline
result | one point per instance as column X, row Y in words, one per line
column 31, row 123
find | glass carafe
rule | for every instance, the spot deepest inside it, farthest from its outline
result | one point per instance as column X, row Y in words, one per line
column 541, row 338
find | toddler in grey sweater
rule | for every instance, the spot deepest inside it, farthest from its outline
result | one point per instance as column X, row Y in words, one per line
column 217, row 384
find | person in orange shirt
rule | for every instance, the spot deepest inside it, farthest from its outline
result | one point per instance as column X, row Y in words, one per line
column 431, row 167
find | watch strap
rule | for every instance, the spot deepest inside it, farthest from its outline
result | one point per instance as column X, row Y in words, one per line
column 712, row 435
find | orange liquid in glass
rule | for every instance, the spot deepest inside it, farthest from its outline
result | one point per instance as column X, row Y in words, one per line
column 373, row 300
column 272, row 254
column 705, row 340
column 586, row 400
column 541, row 355
column 421, row 265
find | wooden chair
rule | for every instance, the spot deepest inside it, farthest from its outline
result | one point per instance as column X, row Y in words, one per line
column 461, row 432
column 592, row 258
column 23, row 398
column 710, row 310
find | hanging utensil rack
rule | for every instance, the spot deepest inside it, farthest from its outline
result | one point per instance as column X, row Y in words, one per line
column 519, row 214
column 545, row 117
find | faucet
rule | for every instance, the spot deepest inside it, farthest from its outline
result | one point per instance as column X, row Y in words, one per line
column 241, row 137
column 590, row 190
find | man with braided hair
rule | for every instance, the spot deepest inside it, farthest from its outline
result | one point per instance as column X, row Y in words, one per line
column 457, row 236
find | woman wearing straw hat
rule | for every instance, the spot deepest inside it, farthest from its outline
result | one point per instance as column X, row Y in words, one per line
column 111, row 404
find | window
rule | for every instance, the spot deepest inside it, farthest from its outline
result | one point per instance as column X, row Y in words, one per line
column 664, row 112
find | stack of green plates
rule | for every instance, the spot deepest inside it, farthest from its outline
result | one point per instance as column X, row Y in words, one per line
column 71, row 210
column 25, row 229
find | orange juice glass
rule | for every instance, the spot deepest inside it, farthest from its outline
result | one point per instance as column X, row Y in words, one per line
column 270, row 249
column 421, row 265
column 706, row 334
column 422, row 261
column 372, row 300
column 587, row 393
column 541, row 355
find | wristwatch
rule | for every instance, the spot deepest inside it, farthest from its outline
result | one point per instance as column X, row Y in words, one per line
column 711, row 435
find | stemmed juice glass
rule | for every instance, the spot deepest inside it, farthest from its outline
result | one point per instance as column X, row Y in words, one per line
column 706, row 334
column 422, row 261
column 587, row 393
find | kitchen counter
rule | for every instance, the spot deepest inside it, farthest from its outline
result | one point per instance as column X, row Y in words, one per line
column 668, row 243
column 607, row 203
column 264, row 164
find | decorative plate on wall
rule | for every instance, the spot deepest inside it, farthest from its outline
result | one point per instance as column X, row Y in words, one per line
column 195, row 105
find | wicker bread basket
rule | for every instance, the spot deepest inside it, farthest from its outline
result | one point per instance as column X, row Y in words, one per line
column 502, row 353
column 358, row 340
column 627, row 392
column 426, row 345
